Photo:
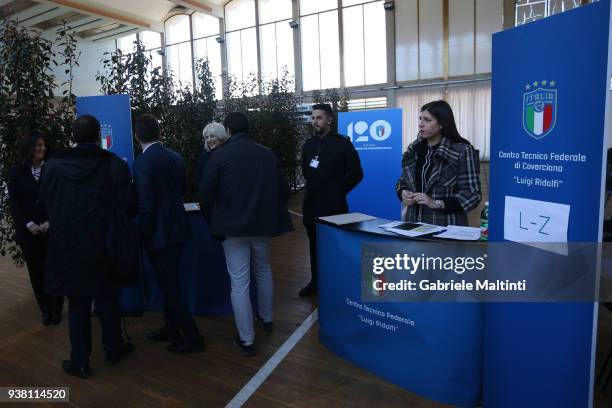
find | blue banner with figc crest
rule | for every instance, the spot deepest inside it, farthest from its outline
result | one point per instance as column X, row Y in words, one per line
column 115, row 117
column 549, row 97
column 377, row 137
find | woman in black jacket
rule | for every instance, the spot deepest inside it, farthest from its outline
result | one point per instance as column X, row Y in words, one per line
column 30, row 221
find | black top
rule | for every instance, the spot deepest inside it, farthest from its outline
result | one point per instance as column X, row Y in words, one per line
column 78, row 190
column 331, row 168
column 243, row 192
column 24, row 200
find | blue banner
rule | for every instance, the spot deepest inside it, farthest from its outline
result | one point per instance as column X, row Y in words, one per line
column 377, row 137
column 432, row 349
column 115, row 116
column 549, row 94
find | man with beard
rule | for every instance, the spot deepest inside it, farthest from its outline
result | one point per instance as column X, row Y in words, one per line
column 331, row 168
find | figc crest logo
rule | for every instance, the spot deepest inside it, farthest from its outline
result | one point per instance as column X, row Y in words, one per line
column 539, row 108
column 106, row 132
column 379, row 130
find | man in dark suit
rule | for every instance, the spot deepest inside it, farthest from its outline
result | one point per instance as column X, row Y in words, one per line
column 78, row 191
column 243, row 196
column 159, row 174
column 331, row 168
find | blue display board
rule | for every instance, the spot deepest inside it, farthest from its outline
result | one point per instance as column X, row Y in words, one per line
column 549, row 94
column 115, row 116
column 377, row 137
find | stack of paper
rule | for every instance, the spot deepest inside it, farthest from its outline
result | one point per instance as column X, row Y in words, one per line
column 462, row 233
column 347, row 218
column 409, row 229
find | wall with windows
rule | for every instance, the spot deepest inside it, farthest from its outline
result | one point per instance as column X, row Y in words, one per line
column 420, row 37
column 527, row 11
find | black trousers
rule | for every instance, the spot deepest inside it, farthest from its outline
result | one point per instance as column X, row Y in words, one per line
column 311, row 230
column 79, row 321
column 177, row 316
column 34, row 249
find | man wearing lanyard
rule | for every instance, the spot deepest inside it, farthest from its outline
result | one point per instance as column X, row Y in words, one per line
column 331, row 168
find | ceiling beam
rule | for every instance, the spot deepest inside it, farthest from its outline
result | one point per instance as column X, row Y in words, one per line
column 201, row 5
column 45, row 16
column 117, row 32
column 96, row 23
column 104, row 12
column 75, row 23
column 32, row 12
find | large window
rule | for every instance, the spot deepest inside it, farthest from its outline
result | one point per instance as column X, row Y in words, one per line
column 126, row 44
column 365, row 43
column 527, row 11
column 190, row 38
column 205, row 46
column 320, row 41
column 178, row 49
column 241, row 39
column 275, row 38
column 151, row 41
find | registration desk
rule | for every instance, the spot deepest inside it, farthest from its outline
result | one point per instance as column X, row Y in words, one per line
column 432, row 349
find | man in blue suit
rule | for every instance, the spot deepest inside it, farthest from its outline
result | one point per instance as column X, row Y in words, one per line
column 159, row 175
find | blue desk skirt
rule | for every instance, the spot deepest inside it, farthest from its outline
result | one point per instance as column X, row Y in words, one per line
column 204, row 278
column 439, row 356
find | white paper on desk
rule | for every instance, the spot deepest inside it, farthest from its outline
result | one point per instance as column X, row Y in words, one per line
column 191, row 206
column 462, row 233
column 347, row 218
column 424, row 229
column 391, row 224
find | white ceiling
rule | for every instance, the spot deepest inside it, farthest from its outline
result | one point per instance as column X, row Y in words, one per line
column 154, row 10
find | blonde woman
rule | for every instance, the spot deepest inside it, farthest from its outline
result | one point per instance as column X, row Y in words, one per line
column 213, row 136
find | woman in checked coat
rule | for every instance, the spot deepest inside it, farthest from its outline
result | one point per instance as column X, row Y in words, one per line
column 440, row 171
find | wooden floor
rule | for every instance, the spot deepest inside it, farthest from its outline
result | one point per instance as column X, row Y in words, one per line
column 310, row 376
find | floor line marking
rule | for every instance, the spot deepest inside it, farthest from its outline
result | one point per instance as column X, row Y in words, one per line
column 264, row 372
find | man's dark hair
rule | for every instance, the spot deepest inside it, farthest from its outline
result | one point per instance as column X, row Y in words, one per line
column 147, row 128
column 324, row 107
column 86, row 129
column 236, row 122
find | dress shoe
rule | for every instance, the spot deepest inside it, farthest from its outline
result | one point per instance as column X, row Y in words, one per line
column 187, row 348
column 125, row 350
column 309, row 289
column 267, row 326
column 163, row 335
column 76, row 370
column 45, row 319
column 245, row 350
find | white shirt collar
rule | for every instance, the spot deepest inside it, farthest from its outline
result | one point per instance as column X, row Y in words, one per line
column 145, row 146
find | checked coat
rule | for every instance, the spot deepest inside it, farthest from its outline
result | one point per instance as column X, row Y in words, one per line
column 455, row 176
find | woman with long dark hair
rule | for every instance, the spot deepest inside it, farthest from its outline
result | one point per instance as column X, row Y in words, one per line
column 30, row 221
column 440, row 171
